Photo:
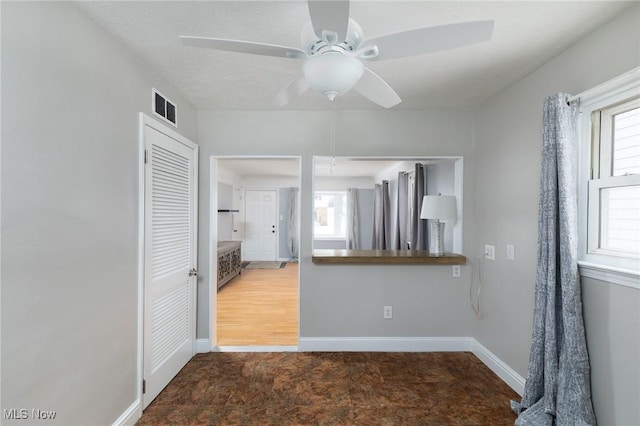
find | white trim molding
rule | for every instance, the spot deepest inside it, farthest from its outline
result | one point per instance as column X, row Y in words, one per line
column 498, row 366
column 255, row 349
column 203, row 346
column 612, row 89
column 385, row 344
column 130, row 416
column 609, row 274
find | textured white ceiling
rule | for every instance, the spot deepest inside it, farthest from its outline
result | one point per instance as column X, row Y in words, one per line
column 527, row 34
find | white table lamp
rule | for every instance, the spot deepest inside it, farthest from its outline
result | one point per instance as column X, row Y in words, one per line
column 438, row 207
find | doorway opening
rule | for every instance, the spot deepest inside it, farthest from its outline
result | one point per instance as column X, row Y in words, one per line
column 254, row 240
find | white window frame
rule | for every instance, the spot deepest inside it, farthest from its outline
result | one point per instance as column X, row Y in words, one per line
column 593, row 261
column 330, row 236
column 602, row 149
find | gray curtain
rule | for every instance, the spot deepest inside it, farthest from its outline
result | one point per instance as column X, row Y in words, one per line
column 402, row 211
column 381, row 236
column 419, row 238
column 353, row 220
column 292, row 227
column 557, row 390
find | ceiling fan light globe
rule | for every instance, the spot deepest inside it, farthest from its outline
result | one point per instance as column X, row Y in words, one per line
column 332, row 73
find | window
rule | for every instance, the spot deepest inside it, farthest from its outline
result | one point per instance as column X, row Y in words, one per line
column 614, row 190
column 329, row 215
column 609, row 181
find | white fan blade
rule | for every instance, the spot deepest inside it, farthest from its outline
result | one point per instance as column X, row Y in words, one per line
column 376, row 89
column 296, row 88
column 243, row 47
column 329, row 16
column 430, row 39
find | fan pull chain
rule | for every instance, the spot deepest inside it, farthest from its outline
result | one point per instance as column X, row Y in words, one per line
column 332, row 139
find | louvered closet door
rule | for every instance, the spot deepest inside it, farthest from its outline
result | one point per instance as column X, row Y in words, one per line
column 170, row 246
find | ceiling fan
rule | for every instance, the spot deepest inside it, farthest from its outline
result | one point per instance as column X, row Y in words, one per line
column 333, row 50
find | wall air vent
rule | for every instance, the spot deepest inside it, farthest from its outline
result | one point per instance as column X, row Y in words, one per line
column 164, row 108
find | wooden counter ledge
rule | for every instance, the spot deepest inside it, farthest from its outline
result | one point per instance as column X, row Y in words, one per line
column 385, row 257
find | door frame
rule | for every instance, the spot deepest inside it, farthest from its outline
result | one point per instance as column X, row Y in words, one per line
column 213, row 246
column 146, row 120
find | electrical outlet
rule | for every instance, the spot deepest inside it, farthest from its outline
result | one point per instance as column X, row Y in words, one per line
column 511, row 252
column 388, row 312
column 455, row 271
column 490, row 252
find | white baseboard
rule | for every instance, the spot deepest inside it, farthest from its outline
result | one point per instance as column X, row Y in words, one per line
column 385, row 344
column 130, row 416
column 203, row 346
column 255, row 349
column 498, row 366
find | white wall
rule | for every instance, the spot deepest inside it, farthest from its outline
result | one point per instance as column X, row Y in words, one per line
column 508, row 131
column 612, row 320
column 342, row 183
column 344, row 300
column 269, row 182
column 225, row 219
column 229, row 177
column 70, row 102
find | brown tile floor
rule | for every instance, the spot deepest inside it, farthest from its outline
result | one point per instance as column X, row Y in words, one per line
column 346, row 388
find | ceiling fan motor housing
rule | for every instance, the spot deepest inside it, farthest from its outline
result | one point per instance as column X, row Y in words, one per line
column 313, row 45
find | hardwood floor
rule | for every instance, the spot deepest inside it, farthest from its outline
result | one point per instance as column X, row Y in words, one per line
column 259, row 308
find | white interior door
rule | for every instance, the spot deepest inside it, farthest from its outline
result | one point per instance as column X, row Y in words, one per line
column 170, row 256
column 260, row 225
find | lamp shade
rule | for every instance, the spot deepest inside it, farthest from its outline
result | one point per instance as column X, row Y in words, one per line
column 332, row 73
column 438, row 207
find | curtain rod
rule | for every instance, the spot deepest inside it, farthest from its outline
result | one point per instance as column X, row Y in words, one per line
column 614, row 84
column 573, row 98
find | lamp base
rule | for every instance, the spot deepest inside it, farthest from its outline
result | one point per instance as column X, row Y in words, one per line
column 436, row 246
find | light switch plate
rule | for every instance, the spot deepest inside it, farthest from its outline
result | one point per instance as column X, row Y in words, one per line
column 511, row 252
